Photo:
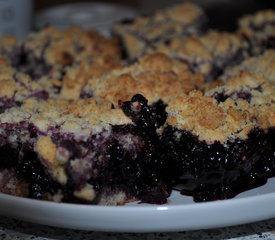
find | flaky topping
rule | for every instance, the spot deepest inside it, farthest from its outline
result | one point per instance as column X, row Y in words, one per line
column 211, row 120
column 77, row 76
column 257, row 20
column 16, row 85
column 202, row 52
column 45, row 55
column 186, row 13
column 183, row 19
column 56, row 59
column 154, row 76
column 257, row 88
column 264, row 64
column 174, row 18
column 70, row 45
column 259, row 30
column 8, row 84
column 81, row 117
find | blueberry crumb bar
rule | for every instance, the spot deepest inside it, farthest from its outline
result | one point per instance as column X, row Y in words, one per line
column 83, row 151
column 188, row 108
column 146, row 32
column 259, row 30
column 222, row 142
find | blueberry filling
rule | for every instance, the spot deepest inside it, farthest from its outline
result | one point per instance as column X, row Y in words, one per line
column 42, row 95
column 217, row 63
column 84, row 94
column 24, row 161
column 221, row 97
column 220, row 171
column 6, row 103
column 135, row 170
column 269, row 42
column 24, row 60
column 143, row 115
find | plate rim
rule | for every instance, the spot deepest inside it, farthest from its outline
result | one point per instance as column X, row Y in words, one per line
column 101, row 218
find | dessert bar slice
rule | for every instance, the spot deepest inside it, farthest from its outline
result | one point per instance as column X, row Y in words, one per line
column 146, row 31
column 83, row 152
column 258, row 30
column 49, row 50
column 222, row 143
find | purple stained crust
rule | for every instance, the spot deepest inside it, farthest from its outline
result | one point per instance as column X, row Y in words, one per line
column 221, row 97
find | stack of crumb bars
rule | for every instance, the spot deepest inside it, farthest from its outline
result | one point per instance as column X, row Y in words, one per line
column 166, row 101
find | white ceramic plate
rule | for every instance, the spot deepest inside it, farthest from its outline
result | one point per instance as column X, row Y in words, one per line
column 181, row 213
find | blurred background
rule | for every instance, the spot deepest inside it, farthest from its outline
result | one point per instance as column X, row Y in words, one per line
column 18, row 17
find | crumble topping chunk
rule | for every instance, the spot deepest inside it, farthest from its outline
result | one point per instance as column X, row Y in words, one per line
column 207, row 54
column 227, row 112
column 145, row 32
column 264, row 64
column 155, row 76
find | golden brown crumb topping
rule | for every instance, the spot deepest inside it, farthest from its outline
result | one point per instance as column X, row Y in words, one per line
column 212, row 48
column 71, row 45
column 177, row 20
column 257, row 19
column 81, row 117
column 175, row 17
column 259, row 29
column 58, row 59
column 76, row 77
column 48, row 152
column 261, row 90
column 264, row 64
column 211, row 120
column 155, row 76
column 16, row 85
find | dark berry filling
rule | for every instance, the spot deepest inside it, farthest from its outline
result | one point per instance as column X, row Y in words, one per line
column 218, row 63
column 135, row 168
column 260, row 40
column 269, row 42
column 86, row 94
column 24, row 161
column 6, row 103
column 143, row 115
column 221, row 97
column 259, row 27
column 24, row 60
column 220, row 171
